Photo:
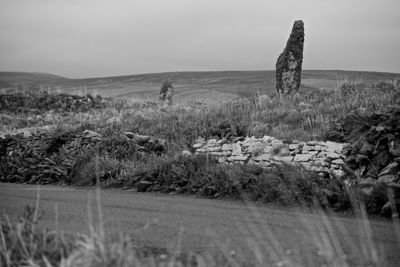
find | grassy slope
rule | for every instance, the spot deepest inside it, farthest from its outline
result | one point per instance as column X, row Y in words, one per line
column 222, row 85
column 11, row 79
column 199, row 86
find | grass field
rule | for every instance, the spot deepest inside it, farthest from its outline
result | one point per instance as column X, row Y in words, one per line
column 190, row 86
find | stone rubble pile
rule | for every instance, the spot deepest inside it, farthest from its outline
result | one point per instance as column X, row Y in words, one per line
column 37, row 102
column 26, row 132
column 325, row 158
column 50, row 157
column 374, row 156
column 34, row 159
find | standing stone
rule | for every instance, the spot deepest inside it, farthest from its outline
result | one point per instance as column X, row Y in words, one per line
column 289, row 63
column 167, row 92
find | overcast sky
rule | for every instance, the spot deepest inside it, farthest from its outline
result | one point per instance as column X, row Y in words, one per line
column 92, row 38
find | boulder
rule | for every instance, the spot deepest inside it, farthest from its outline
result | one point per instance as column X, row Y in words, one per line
column 141, row 139
column 263, row 157
column 186, row 153
column 332, row 155
column 212, row 142
column 130, row 135
column 227, row 147
column 238, row 158
column 335, row 147
column 302, row 157
column 394, row 149
column 293, row 147
column 284, row 151
column 214, row 149
column 91, row 134
column 307, row 148
column 197, row 145
column 283, row 158
column 337, row 173
column 236, row 149
column 391, row 169
column 200, row 140
column 338, row 162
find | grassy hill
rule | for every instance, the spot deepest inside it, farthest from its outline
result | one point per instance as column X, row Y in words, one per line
column 198, row 86
column 13, row 79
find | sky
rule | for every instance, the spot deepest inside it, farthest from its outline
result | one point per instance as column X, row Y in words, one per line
column 95, row 38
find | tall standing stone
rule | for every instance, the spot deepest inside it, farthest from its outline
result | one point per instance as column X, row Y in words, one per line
column 289, row 63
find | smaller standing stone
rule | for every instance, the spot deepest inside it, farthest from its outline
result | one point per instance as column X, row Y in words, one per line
column 167, row 92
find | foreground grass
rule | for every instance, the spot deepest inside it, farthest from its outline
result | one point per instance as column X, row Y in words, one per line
column 26, row 243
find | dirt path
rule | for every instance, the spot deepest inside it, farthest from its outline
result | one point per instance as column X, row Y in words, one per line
column 258, row 233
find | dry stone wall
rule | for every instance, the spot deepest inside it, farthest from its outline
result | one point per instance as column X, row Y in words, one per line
column 325, row 158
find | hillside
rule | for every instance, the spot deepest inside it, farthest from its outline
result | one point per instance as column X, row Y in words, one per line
column 13, row 79
column 198, row 86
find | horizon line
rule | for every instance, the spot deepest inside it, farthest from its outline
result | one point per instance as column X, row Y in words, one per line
column 189, row 71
